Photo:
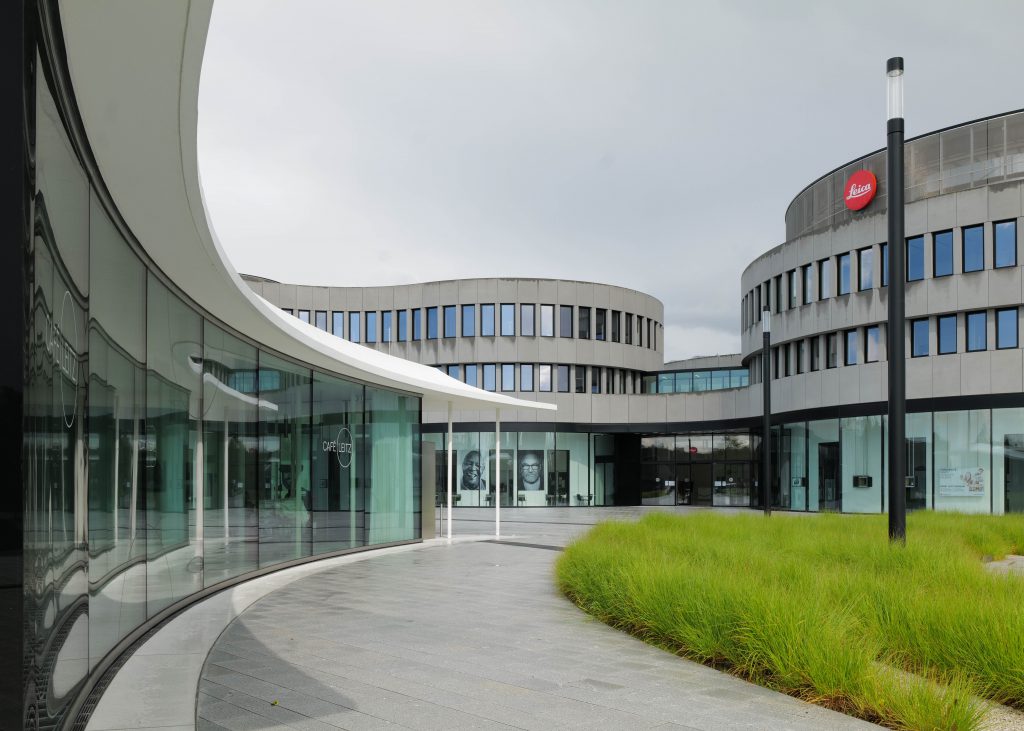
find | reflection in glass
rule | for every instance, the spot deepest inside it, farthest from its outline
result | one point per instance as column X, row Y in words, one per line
column 393, row 505
column 974, row 248
column 544, row 378
column 449, row 321
column 525, row 377
column 915, row 258
column 942, row 262
column 1006, row 244
column 336, row 495
column 547, row 321
column 526, row 319
column 487, row 321
column 946, row 325
column 508, row 319
column 977, row 326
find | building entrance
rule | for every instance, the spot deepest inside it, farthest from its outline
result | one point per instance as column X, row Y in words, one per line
column 830, row 496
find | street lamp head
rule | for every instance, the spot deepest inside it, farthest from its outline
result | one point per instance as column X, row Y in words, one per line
column 766, row 321
column 894, row 87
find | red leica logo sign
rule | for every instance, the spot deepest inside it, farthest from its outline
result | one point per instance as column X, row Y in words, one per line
column 860, row 189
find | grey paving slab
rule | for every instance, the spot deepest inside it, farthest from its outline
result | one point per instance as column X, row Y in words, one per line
column 466, row 636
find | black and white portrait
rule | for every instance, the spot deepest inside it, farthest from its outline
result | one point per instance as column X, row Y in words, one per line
column 531, row 469
column 471, row 475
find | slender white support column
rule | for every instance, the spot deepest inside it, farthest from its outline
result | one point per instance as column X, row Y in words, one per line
column 449, row 470
column 117, row 474
column 199, row 493
column 226, row 463
column 496, row 479
column 133, row 501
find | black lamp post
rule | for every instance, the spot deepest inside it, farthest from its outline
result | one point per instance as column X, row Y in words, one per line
column 766, row 382
column 897, row 317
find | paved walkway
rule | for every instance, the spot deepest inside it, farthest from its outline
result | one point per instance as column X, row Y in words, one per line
column 465, row 636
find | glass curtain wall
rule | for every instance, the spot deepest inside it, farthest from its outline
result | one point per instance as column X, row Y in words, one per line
column 336, row 497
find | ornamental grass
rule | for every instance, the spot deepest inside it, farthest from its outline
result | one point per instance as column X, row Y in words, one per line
column 822, row 607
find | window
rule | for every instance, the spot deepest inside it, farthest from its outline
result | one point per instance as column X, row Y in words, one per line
column 824, row 280
column 595, row 380
column 565, row 321
column 915, row 259
column 371, row 327
column 1005, row 244
column 977, row 335
column 800, row 348
column 844, row 274
column 601, row 325
column 472, row 375
column 468, row 322
column 353, row 327
column 813, row 348
column 885, row 264
column 787, row 359
column 650, row 333
column 698, row 384
column 946, row 326
column 508, row 320
column 403, row 325
column 778, row 293
column 629, row 328
column 851, row 348
column 449, row 321
column 919, row 334
column 547, row 321
column 487, row 321
column 321, row 319
column 640, row 331
column 431, row 323
column 865, row 269
column 793, row 301
column 871, row 344
column 544, row 378
column 304, row 316
column 831, row 350
column 387, row 334
column 1006, row 328
column 526, row 377
column 338, row 324
column 417, row 331
column 526, row 320
column 609, row 379
column 489, row 376
column 616, row 318
column 808, row 283
column 584, row 330
column 563, row 378
column 757, row 308
column 288, row 310
column 942, row 248
column 581, row 379
column 508, row 377
column 974, row 248
column 455, row 372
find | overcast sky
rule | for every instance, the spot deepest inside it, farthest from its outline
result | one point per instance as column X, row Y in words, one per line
column 652, row 145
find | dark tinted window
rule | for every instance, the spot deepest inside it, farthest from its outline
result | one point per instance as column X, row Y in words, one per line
column 884, row 251
column 808, row 283
column 565, row 321
column 616, row 319
column 831, row 350
column 974, row 248
column 584, row 329
column 563, row 378
column 943, row 249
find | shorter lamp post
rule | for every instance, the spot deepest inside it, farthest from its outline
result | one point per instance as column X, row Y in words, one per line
column 766, row 382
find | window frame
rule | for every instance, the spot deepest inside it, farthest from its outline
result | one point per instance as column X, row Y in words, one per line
column 939, row 320
column 831, row 350
column 540, row 380
column 935, row 254
column 964, row 231
column 839, row 274
column 850, row 343
column 484, row 320
column 868, row 330
column 370, row 335
column 501, row 315
column 467, row 321
column 526, row 384
column 866, row 254
column 562, row 378
column 335, row 316
column 355, row 318
column 968, row 318
column 808, row 277
column 1016, row 328
column 551, row 325
column 824, row 279
column 564, row 310
column 914, row 337
column 387, row 330
column 432, row 316
column 793, row 284
column 491, row 368
column 454, row 321
column 530, row 332
column 995, row 243
column 813, row 354
column 907, row 251
column 508, row 369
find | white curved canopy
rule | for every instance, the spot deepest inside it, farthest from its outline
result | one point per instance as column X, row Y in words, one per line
column 135, row 66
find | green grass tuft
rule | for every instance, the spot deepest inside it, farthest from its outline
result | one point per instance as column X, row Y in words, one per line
column 822, row 608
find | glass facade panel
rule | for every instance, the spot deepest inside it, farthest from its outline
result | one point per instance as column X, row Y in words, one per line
column 580, row 378
column 977, row 331
column 824, row 491
column 487, row 321
column 629, row 328
column 508, row 320
column 942, row 263
column 667, row 382
column 974, row 248
column 455, row 372
column 1006, row 328
column 547, row 321
column 793, row 287
column 946, row 326
column 915, row 258
column 862, row 439
column 527, row 320
column 230, row 416
column 792, row 493
column 336, row 494
column 393, row 482
column 1005, row 244
column 468, row 321
column 525, row 377
column 963, row 457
